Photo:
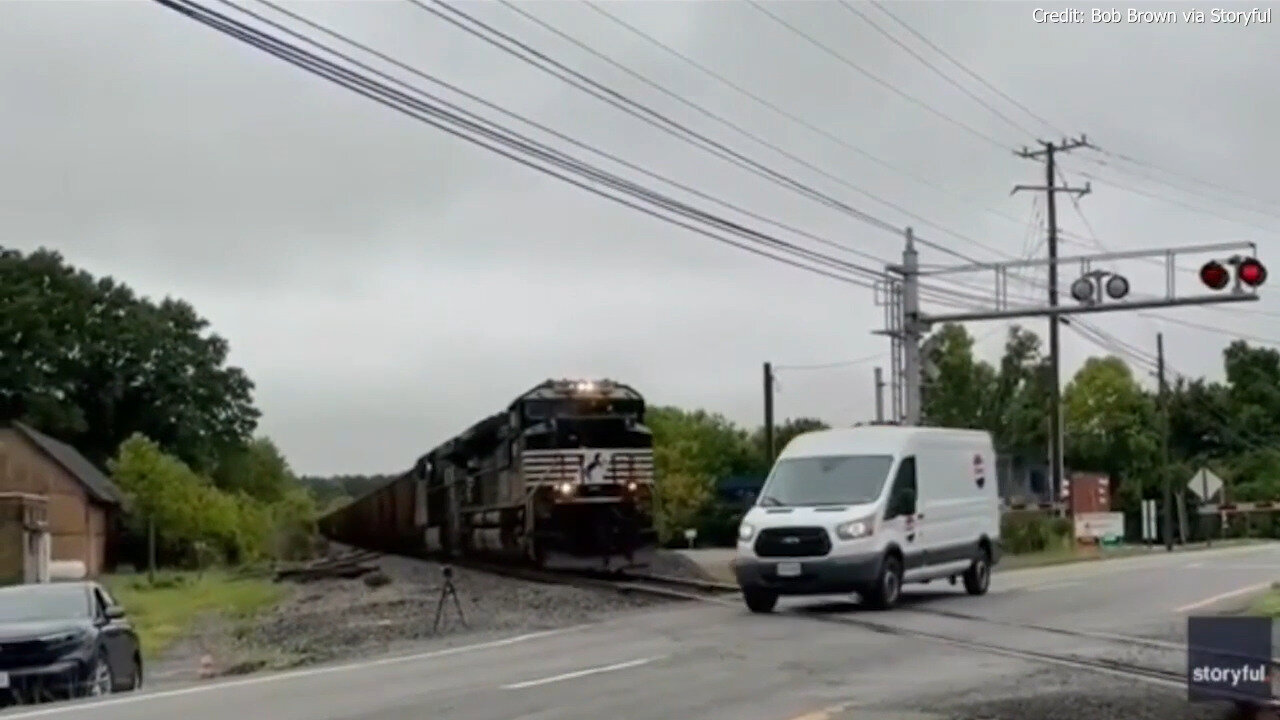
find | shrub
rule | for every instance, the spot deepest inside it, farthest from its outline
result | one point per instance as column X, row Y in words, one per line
column 1033, row 532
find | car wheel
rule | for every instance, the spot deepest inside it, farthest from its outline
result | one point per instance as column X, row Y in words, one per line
column 98, row 682
column 759, row 600
column 978, row 577
column 888, row 587
column 135, row 675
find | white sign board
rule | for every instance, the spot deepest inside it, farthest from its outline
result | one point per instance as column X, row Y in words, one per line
column 1099, row 525
column 1204, row 484
column 1149, row 527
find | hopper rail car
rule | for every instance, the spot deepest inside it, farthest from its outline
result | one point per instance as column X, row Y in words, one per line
column 562, row 479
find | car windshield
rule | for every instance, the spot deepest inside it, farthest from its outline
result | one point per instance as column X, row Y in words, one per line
column 837, row 480
column 34, row 603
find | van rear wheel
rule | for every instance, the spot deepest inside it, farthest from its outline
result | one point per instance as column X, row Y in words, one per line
column 760, row 600
column 977, row 579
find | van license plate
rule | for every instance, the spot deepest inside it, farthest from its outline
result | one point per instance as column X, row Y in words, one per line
column 4, row 680
column 789, row 569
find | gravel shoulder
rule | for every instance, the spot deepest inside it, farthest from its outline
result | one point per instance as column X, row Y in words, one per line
column 333, row 620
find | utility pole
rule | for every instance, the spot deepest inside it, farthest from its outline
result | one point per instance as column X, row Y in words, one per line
column 1055, row 393
column 1164, row 445
column 879, row 396
column 912, row 329
column 768, row 412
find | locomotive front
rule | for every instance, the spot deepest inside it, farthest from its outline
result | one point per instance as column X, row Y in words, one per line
column 587, row 463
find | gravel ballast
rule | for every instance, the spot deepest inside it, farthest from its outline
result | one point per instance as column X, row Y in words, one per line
column 330, row 620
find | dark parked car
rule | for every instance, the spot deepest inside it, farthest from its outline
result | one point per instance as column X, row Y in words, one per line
column 64, row 640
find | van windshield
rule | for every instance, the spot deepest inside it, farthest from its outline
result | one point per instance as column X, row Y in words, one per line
column 837, row 480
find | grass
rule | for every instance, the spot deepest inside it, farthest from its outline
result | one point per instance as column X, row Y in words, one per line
column 1268, row 605
column 1065, row 553
column 163, row 611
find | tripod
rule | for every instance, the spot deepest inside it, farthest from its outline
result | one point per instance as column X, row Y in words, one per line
column 445, row 591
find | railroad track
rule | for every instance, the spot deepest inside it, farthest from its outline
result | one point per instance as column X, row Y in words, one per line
column 1160, row 676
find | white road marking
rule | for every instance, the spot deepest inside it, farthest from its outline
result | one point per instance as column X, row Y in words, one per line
column 1196, row 565
column 582, row 673
column 310, row 672
column 1224, row 596
column 1052, row 586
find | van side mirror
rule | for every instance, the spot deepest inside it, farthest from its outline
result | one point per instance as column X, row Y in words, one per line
column 114, row 612
column 904, row 502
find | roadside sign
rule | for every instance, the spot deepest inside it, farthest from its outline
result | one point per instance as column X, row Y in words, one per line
column 1097, row 525
column 1204, row 484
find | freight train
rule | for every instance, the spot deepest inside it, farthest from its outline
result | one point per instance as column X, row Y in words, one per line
column 561, row 479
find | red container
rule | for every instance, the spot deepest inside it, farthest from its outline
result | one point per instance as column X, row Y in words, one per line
column 1088, row 493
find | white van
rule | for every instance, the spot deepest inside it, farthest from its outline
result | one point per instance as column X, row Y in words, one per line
column 864, row 510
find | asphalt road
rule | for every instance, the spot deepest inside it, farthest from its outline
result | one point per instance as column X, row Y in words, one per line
column 719, row 662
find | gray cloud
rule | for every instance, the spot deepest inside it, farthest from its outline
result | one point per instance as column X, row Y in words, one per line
column 386, row 285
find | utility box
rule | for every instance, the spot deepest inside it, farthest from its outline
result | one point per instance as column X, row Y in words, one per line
column 25, row 545
column 1087, row 493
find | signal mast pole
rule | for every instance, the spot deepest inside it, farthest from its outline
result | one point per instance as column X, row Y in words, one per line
column 1055, row 393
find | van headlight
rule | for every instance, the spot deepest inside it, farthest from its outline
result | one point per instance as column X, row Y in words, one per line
column 854, row 529
column 745, row 532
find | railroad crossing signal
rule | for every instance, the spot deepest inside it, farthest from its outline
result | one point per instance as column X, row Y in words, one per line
column 1249, row 271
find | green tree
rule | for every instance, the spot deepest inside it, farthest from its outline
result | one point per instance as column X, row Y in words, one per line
column 90, row 362
column 961, row 390
column 1111, row 427
column 257, row 469
column 783, row 434
column 691, row 451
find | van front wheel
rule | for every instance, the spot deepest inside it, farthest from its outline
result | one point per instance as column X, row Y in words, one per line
column 760, row 600
column 888, row 588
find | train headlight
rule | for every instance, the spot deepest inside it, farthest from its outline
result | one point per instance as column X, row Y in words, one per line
column 745, row 532
column 631, row 487
column 566, row 488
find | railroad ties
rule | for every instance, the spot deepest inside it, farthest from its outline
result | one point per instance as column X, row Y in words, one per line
column 345, row 566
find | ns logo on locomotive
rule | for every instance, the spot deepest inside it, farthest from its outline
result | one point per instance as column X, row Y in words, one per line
column 563, row 478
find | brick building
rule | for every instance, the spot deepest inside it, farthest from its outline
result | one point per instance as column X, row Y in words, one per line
column 82, row 505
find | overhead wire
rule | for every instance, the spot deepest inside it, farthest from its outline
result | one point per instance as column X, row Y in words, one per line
column 783, row 112
column 875, row 78
column 950, row 80
column 880, row 6
column 436, row 116
column 560, row 135
column 737, row 127
column 557, row 69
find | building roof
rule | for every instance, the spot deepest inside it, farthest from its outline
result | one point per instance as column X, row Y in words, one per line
column 100, row 487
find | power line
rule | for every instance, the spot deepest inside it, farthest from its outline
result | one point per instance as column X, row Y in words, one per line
column 436, row 117
column 789, row 115
column 639, row 110
column 880, row 6
column 950, row 80
column 1226, row 200
column 551, row 131
column 833, row 365
column 1211, row 329
column 1172, row 201
column 734, row 126
column 878, row 80
column 1152, row 166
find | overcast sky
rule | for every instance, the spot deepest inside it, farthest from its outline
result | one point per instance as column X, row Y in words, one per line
column 386, row 285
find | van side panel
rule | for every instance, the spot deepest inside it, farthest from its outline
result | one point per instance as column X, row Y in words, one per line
column 958, row 495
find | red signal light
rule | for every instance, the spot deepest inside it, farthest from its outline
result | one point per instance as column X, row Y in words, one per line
column 1214, row 275
column 1252, row 272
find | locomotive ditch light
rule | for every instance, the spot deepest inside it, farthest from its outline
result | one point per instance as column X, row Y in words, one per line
column 1251, row 272
column 566, row 488
column 1214, row 275
column 1117, row 287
